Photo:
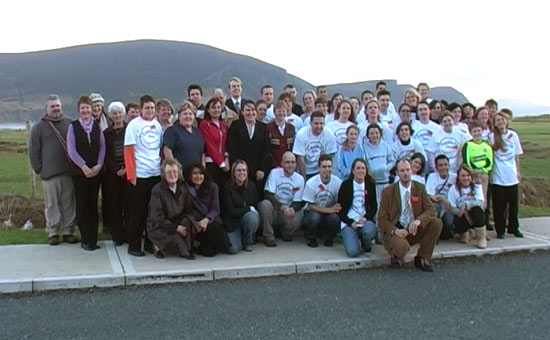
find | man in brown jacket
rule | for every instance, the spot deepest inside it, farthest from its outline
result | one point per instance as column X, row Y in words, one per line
column 407, row 216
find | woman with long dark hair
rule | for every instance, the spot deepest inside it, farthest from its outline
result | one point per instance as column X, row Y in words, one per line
column 466, row 199
column 357, row 197
column 205, row 213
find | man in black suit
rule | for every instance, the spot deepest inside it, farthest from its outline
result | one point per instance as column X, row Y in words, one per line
column 296, row 108
column 235, row 101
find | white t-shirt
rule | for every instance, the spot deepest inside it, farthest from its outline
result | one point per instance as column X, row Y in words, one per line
column 339, row 130
column 504, row 168
column 406, row 151
column 311, row 147
column 439, row 186
column 286, row 189
column 296, row 121
column 146, row 137
column 448, row 144
column 424, row 132
column 463, row 127
column 357, row 209
column 390, row 119
column 456, row 198
column 321, row 194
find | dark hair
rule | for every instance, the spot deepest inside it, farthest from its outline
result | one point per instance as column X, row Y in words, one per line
column 439, row 157
column 374, row 126
column 422, row 160
column 248, row 102
column 322, row 158
column 331, row 107
column 491, row 102
column 474, row 124
column 316, row 114
column 289, row 86
column 465, row 105
column 131, row 105
column 422, row 84
column 400, row 125
column 206, row 185
column 365, row 92
column 424, row 103
column 507, row 111
column 211, row 102
column 432, row 104
column 146, row 99
column 471, row 173
column 444, row 102
column 380, row 83
column 367, row 176
column 320, row 100
column 284, row 95
column 267, row 86
column 351, row 117
column 351, row 127
column 383, row 93
column 401, row 106
column 83, row 99
column 193, row 87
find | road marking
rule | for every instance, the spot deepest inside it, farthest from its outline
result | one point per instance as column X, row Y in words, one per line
column 536, row 237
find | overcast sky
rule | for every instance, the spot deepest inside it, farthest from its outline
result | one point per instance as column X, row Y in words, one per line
column 485, row 49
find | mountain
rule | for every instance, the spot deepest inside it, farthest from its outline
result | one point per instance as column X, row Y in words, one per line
column 523, row 107
column 126, row 70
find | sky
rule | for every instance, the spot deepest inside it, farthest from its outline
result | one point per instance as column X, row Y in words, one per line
column 485, row 49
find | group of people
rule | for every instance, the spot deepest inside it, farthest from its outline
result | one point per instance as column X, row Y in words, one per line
column 219, row 177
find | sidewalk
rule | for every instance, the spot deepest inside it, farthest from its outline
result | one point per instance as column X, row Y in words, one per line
column 33, row 268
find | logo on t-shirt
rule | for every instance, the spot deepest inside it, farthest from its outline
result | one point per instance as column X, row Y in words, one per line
column 150, row 137
column 284, row 193
column 313, row 151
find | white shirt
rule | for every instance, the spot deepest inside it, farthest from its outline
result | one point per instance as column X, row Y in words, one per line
column 146, row 137
column 402, row 192
column 389, row 118
column 296, row 121
column 322, row 194
column 448, row 144
column 311, row 147
column 406, row 151
column 286, row 189
column 339, row 130
column 357, row 209
column 505, row 168
column 465, row 196
column 424, row 132
column 463, row 127
column 437, row 186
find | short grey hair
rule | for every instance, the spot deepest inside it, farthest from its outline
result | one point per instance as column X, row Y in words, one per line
column 116, row 107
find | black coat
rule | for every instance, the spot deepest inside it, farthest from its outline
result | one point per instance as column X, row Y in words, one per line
column 256, row 152
column 236, row 201
column 345, row 198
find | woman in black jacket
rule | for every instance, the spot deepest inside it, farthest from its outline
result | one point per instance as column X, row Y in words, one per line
column 239, row 201
column 357, row 196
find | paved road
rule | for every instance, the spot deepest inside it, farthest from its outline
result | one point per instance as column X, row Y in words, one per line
column 504, row 297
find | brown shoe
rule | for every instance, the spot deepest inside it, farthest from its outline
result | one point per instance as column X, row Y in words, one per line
column 396, row 262
column 53, row 240
column 69, row 239
column 422, row 264
column 270, row 243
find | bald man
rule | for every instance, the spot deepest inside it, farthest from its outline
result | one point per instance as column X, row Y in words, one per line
column 283, row 201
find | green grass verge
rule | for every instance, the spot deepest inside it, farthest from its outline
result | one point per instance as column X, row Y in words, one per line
column 14, row 235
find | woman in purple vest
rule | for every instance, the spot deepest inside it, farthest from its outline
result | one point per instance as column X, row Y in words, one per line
column 86, row 148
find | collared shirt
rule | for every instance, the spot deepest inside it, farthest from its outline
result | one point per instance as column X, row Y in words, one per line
column 402, row 193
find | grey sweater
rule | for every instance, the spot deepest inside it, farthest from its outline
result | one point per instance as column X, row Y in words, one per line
column 47, row 156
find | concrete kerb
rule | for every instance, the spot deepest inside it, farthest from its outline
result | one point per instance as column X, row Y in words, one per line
column 124, row 274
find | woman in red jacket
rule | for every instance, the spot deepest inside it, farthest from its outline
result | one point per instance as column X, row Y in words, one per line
column 214, row 133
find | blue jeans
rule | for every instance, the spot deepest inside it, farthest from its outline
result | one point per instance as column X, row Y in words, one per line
column 243, row 236
column 351, row 238
column 448, row 221
column 328, row 224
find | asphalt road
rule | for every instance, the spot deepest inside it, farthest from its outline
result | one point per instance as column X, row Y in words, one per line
column 504, row 297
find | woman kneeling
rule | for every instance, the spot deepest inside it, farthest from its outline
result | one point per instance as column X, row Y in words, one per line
column 466, row 199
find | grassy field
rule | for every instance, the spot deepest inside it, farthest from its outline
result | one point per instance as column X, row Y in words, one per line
column 14, row 170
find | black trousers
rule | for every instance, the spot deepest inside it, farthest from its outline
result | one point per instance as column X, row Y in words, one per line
column 478, row 220
column 105, row 197
column 218, row 175
column 140, row 194
column 118, row 208
column 212, row 241
column 86, row 195
column 505, row 198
